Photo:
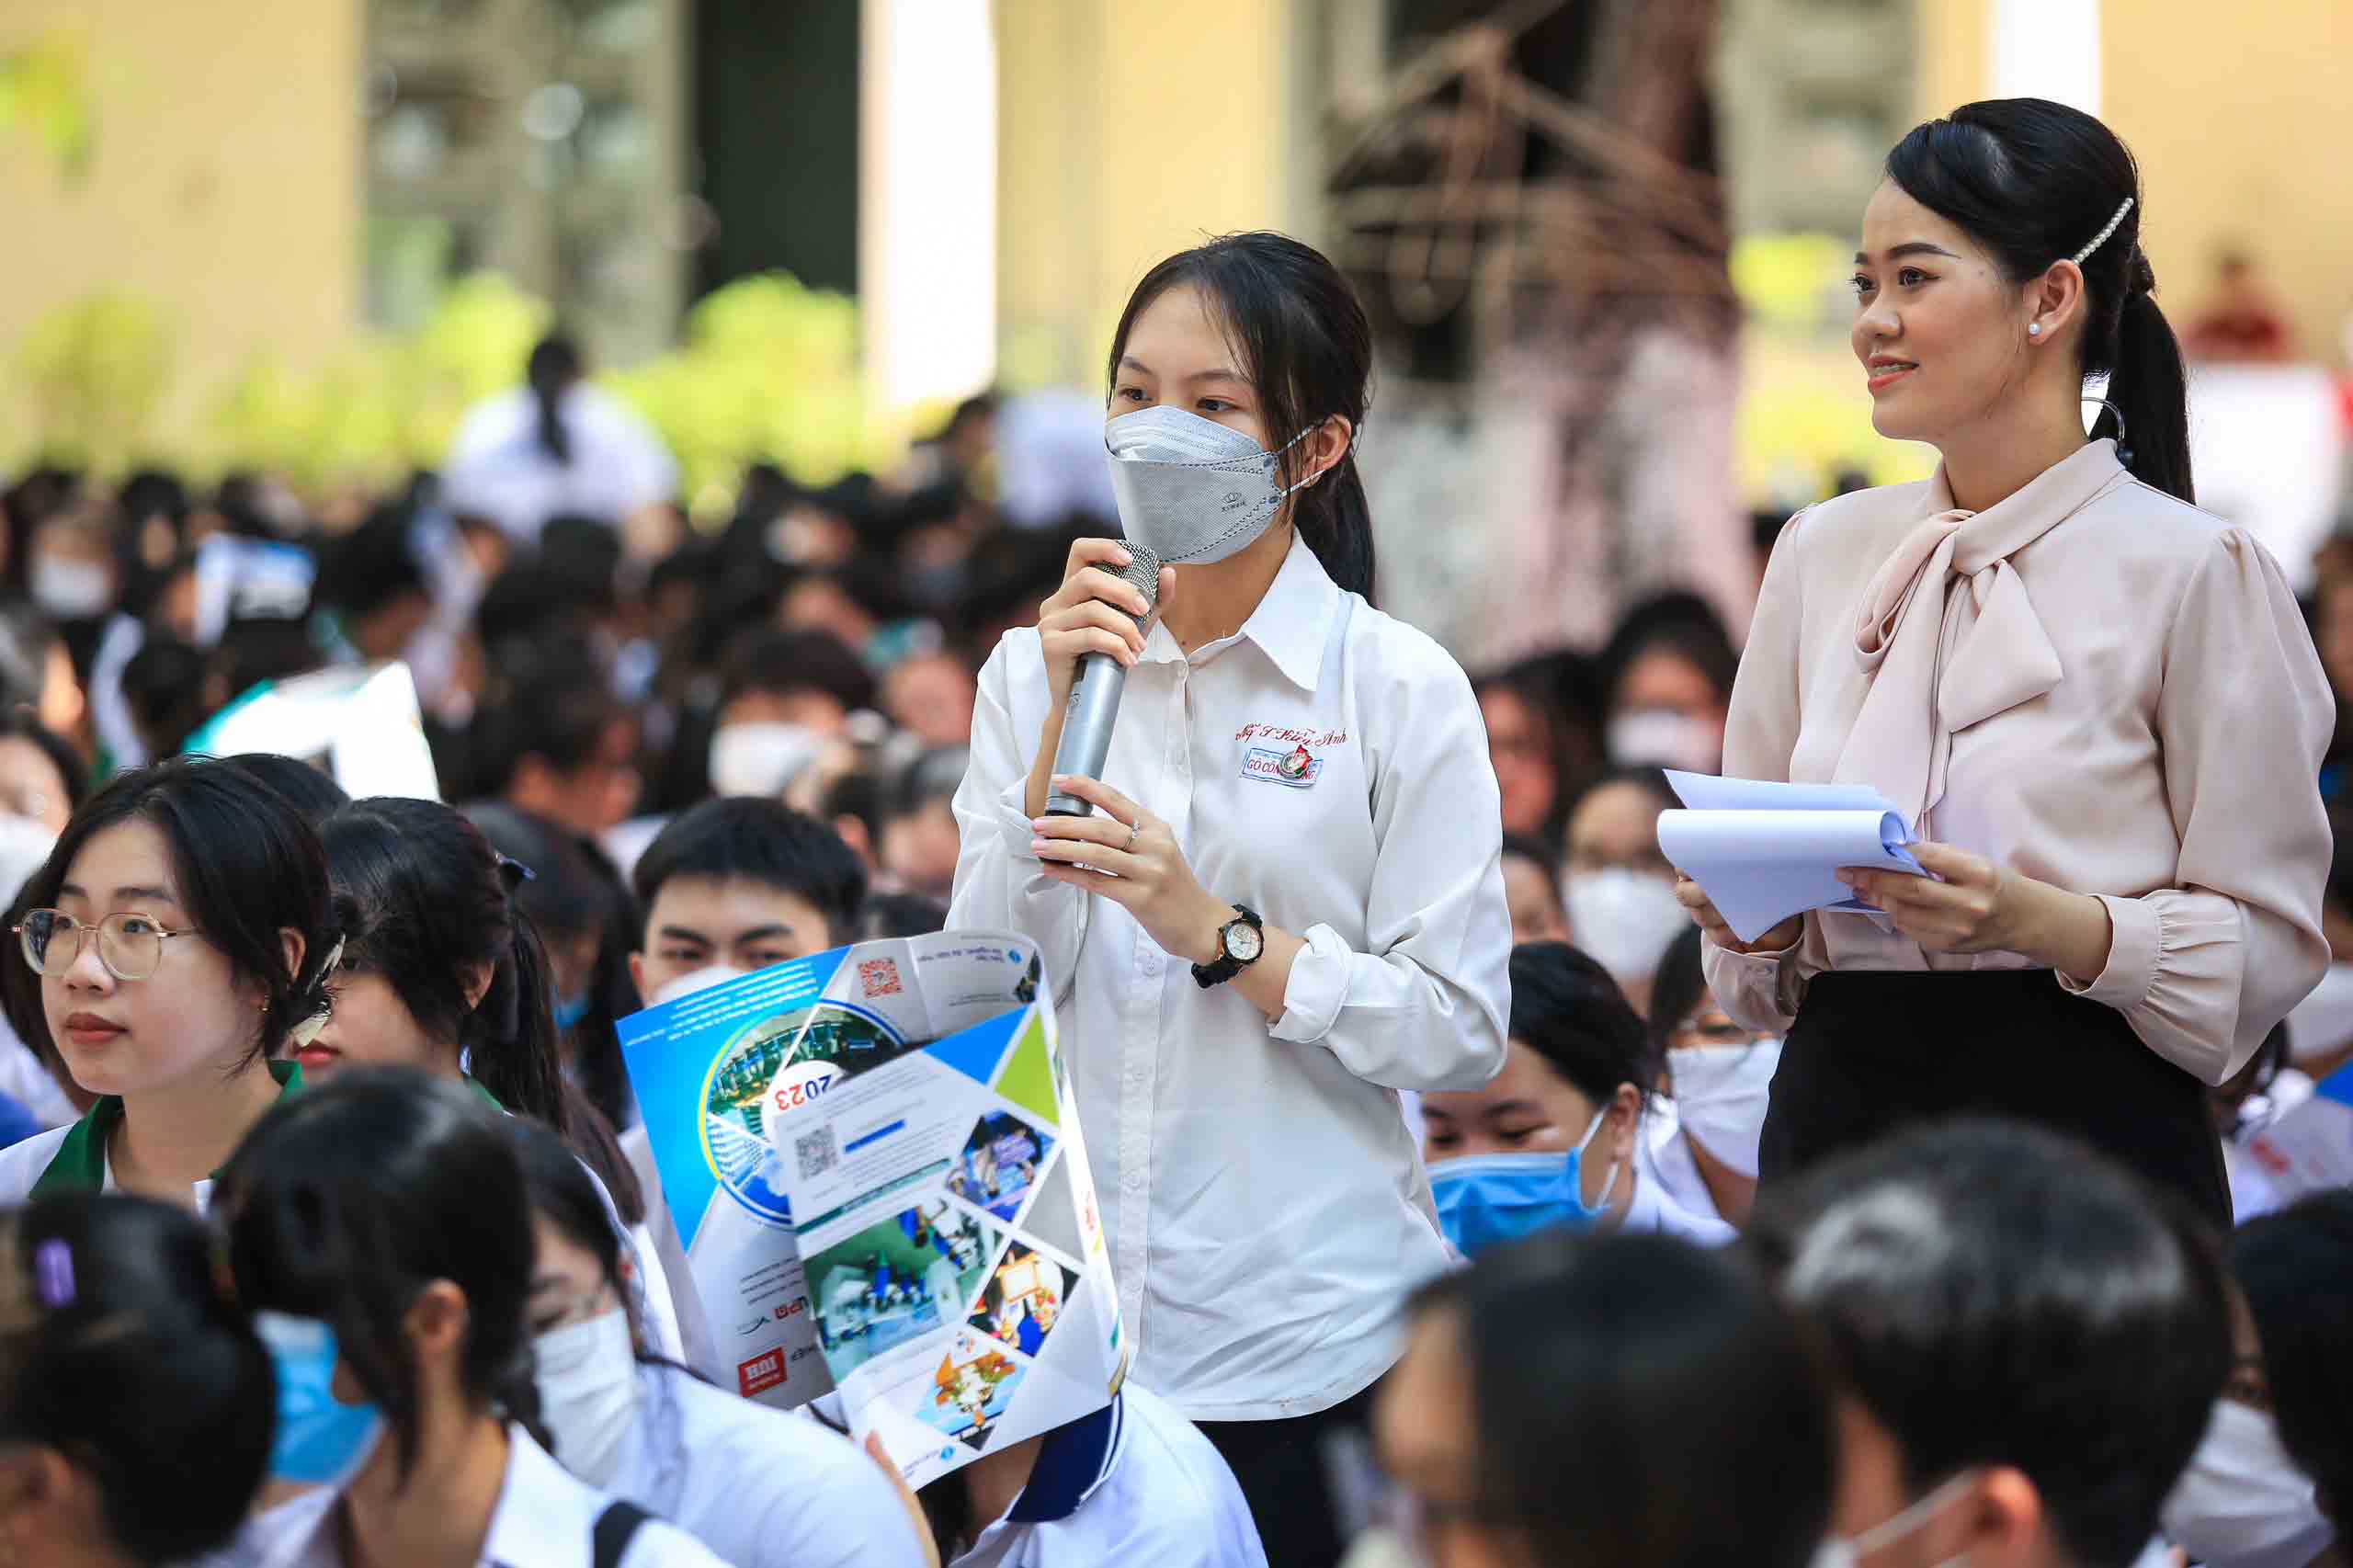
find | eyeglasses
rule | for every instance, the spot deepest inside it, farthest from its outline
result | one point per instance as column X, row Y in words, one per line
column 129, row 945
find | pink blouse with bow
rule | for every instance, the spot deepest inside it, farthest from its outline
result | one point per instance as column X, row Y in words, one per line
column 2090, row 682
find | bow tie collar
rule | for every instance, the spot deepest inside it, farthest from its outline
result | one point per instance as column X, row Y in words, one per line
column 1948, row 633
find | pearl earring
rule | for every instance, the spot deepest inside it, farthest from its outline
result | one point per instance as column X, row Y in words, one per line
column 2034, row 329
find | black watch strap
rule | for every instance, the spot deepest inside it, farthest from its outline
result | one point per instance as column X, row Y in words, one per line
column 1225, row 966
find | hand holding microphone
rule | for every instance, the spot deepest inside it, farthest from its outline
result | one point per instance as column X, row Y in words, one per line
column 1092, row 632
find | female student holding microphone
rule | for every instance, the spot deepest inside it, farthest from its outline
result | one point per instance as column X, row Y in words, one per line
column 1287, row 905
column 2099, row 702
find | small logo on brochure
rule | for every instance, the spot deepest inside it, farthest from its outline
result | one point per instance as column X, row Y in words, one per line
column 1298, row 767
column 760, row 1373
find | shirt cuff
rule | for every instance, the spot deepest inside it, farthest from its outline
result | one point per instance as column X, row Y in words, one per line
column 2135, row 939
column 1317, row 987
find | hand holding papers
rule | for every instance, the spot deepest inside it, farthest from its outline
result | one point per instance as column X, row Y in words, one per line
column 1763, row 851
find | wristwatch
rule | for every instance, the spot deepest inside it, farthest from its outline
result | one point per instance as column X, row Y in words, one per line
column 1239, row 942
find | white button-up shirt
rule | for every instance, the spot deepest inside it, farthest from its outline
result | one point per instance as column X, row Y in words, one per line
column 1326, row 767
column 546, row 1518
column 762, row 1487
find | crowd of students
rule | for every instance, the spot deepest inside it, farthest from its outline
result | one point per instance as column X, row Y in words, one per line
column 328, row 1228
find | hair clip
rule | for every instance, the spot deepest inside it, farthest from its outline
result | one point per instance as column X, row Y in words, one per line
column 53, row 1274
column 2101, row 239
column 514, row 872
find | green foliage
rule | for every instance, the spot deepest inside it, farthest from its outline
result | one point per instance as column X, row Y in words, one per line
column 767, row 371
column 45, row 94
column 93, row 373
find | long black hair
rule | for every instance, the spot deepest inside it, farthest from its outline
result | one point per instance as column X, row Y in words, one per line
column 2034, row 182
column 425, row 900
column 248, row 867
column 555, row 366
column 345, row 1202
column 1308, row 350
column 120, row 1350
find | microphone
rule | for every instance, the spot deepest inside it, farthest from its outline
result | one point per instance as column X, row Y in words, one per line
column 1095, row 696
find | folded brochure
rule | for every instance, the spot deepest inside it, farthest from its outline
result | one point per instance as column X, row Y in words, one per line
column 876, row 1168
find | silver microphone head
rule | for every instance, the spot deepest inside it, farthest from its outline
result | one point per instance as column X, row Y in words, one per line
column 1143, row 574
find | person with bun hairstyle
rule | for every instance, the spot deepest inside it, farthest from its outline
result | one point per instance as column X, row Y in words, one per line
column 1285, row 902
column 135, row 1400
column 182, row 936
column 380, row 1229
column 2097, row 705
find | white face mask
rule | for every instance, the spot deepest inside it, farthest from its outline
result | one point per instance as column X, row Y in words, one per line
column 2242, row 1503
column 2323, row 1022
column 1846, row 1553
column 1721, row 1094
column 588, row 1393
column 71, row 590
column 760, row 757
column 1663, row 737
column 1190, row 490
column 1623, row 920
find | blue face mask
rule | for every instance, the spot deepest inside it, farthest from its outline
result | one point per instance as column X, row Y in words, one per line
column 1486, row 1200
column 321, row 1442
column 570, row 1010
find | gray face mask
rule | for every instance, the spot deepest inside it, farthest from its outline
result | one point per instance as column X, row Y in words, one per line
column 1189, row 489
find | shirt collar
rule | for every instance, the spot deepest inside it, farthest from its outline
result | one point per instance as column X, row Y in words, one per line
column 80, row 1164
column 1073, row 1464
column 1292, row 621
column 531, row 1501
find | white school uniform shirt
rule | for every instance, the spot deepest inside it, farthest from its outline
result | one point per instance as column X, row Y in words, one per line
column 1264, row 1206
column 546, row 1518
column 763, row 1488
column 1136, row 1484
column 23, row 1163
column 498, row 469
column 1663, row 1156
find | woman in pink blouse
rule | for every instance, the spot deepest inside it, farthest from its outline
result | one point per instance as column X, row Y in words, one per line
column 2099, row 702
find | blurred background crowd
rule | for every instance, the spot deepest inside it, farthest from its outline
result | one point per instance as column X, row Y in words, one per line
column 690, row 391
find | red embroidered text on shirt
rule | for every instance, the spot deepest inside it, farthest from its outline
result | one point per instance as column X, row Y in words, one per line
column 1292, row 737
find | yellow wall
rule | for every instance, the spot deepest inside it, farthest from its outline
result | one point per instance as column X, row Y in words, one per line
column 2237, row 127
column 1125, row 133
column 2240, row 133
column 225, row 185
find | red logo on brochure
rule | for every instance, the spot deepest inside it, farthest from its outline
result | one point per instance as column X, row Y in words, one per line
column 760, row 1373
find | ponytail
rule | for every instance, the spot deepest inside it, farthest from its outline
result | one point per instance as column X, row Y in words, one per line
column 1335, row 520
column 555, row 366
column 2152, row 388
column 513, row 1048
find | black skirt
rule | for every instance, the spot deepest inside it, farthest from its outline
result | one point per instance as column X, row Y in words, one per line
column 1877, row 1051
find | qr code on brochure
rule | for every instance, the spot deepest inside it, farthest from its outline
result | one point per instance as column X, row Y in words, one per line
column 879, row 977
column 816, row 1152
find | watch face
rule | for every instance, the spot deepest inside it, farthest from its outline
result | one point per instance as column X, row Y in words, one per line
column 1242, row 942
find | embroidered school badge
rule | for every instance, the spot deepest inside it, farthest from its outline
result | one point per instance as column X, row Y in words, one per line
column 1298, row 767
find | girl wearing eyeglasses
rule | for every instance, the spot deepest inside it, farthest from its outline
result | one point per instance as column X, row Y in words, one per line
column 179, row 936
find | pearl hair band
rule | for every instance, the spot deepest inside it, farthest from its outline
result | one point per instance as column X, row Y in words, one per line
column 2034, row 329
column 2102, row 237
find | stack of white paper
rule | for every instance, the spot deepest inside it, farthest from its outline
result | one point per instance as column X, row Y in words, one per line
column 1763, row 852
